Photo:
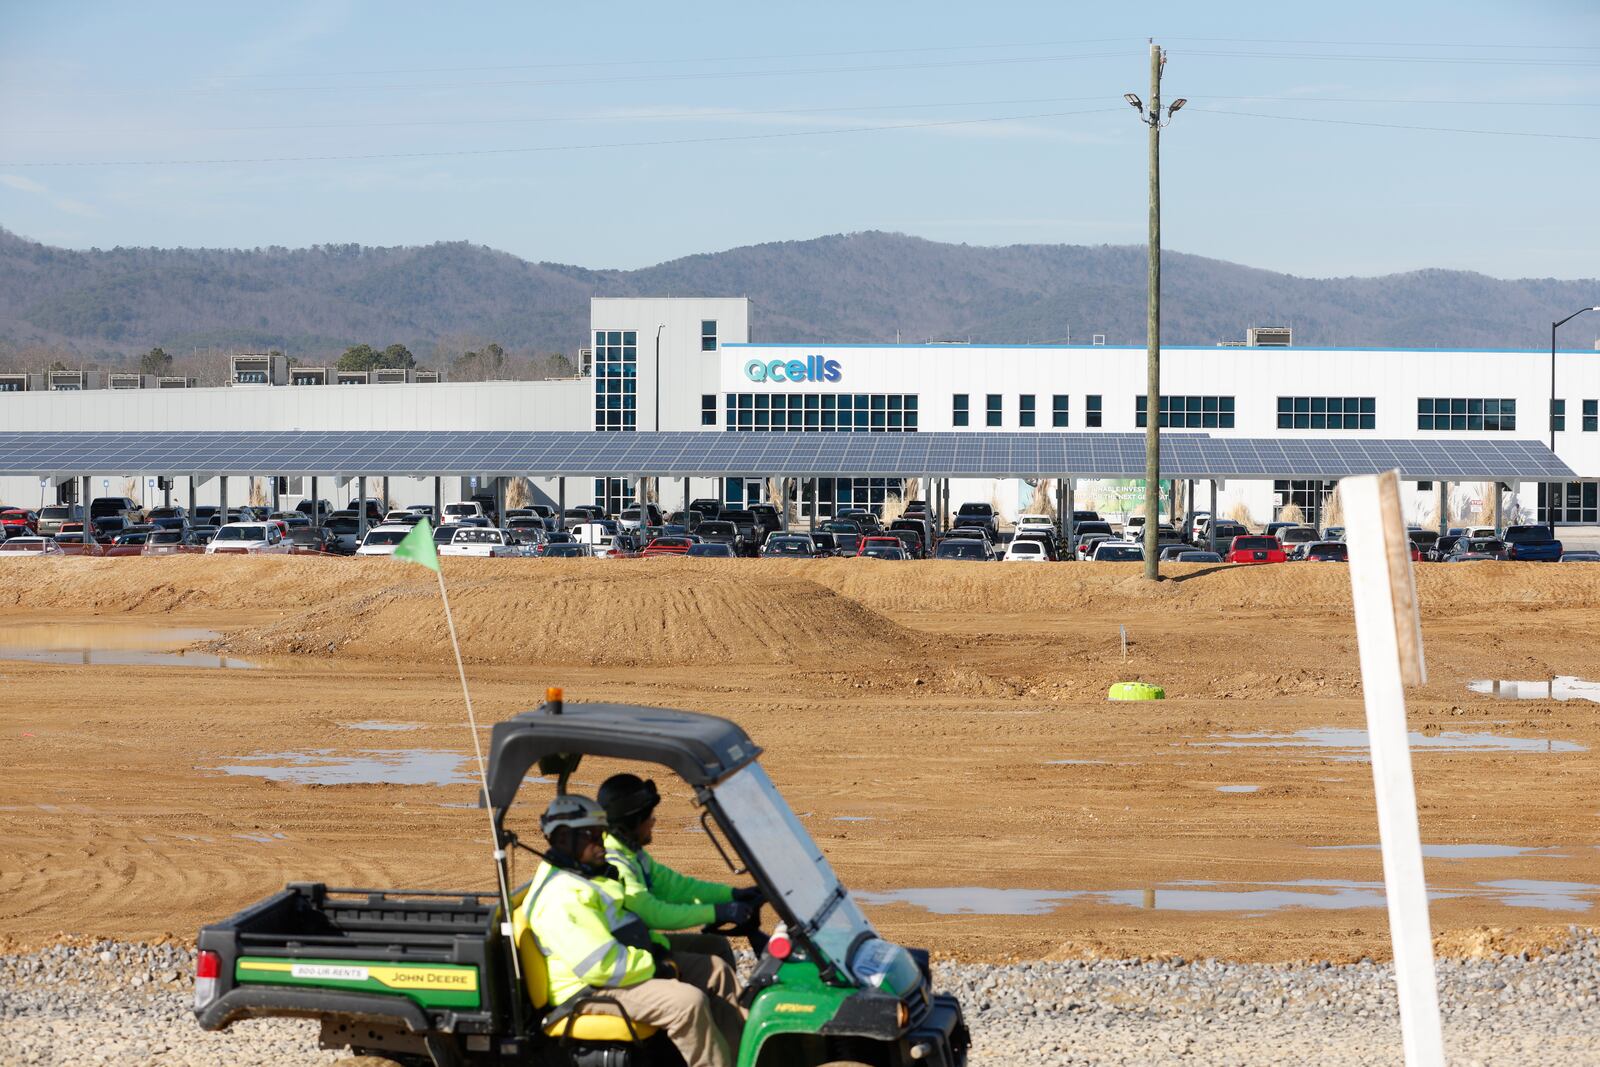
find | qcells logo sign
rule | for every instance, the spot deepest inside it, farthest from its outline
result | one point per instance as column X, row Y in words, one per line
column 810, row 369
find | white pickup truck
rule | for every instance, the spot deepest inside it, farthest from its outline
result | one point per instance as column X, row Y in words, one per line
column 480, row 541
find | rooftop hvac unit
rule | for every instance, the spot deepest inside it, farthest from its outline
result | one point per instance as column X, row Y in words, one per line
column 1099, row 339
column 71, row 381
column 390, row 376
column 586, row 361
column 176, row 381
column 17, row 383
column 428, row 377
column 308, row 376
column 1269, row 337
column 258, row 368
column 1230, row 344
column 130, row 380
column 353, row 377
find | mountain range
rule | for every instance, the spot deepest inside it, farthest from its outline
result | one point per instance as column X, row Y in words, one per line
column 109, row 305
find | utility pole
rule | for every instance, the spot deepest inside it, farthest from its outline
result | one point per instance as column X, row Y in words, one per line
column 1152, row 433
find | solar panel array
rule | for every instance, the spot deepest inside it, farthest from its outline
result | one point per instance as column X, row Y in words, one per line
column 403, row 453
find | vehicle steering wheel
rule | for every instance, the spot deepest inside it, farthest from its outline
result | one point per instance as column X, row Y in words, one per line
column 751, row 931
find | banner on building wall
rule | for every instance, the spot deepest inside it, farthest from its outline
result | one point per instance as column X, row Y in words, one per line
column 1114, row 496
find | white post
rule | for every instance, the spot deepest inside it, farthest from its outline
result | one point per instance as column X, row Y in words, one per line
column 1389, row 635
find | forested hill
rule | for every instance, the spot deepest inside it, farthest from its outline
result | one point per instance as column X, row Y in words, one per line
column 313, row 302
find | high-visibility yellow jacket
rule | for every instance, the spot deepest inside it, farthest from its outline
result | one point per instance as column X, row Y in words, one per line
column 585, row 933
column 663, row 898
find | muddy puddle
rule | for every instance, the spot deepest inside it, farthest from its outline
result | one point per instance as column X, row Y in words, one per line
column 113, row 644
column 381, row 726
column 1349, row 745
column 1252, row 899
column 1457, row 852
column 1237, row 788
column 367, row 767
column 1561, row 687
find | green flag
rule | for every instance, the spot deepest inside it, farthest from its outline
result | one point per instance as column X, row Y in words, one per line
column 418, row 546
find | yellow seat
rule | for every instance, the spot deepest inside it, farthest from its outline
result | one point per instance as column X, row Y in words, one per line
column 581, row 1025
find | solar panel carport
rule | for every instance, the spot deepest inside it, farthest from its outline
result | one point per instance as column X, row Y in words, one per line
column 1065, row 456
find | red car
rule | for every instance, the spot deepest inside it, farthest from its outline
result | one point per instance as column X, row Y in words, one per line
column 19, row 522
column 881, row 542
column 1254, row 548
column 667, row 546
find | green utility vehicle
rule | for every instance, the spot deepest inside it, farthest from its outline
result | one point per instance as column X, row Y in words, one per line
column 433, row 978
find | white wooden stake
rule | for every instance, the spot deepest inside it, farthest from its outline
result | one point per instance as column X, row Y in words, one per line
column 1389, row 635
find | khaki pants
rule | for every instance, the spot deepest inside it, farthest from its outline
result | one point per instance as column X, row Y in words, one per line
column 703, row 945
column 699, row 1011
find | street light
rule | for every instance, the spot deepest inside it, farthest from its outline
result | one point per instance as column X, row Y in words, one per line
column 1553, row 326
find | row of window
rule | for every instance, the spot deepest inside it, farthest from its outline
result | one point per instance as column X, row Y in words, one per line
column 1466, row 413
column 1591, row 415
column 1027, row 410
column 869, row 412
column 1188, row 412
column 1327, row 413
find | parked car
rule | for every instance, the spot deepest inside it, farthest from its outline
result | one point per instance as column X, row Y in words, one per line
column 881, row 549
column 461, row 509
column 667, row 546
column 975, row 513
column 119, row 506
column 383, row 540
column 1325, row 552
column 1026, row 550
column 564, row 550
column 404, row 517
column 1227, row 530
column 345, row 527
column 745, row 521
column 315, row 510
column 1333, row 533
column 19, row 522
column 1198, row 555
column 599, row 536
column 168, row 518
column 1088, row 542
column 846, row 535
column 1256, row 548
column 965, row 548
column 107, row 527
column 315, row 541
column 1293, row 536
column 253, row 538
column 629, row 518
column 881, row 540
column 169, row 542
column 203, row 535
column 1086, row 530
column 1580, row 556
column 1477, row 548
column 51, row 516
column 789, row 546
column 922, row 528
column 1532, row 542
column 1118, row 552
column 767, row 518
column 30, row 546
column 478, row 541
column 711, row 550
column 862, row 517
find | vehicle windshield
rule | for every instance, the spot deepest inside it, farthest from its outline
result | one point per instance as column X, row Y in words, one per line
column 166, row 537
column 1256, row 544
column 242, row 533
column 385, row 537
column 795, row 867
column 1118, row 553
column 710, row 550
column 964, row 549
column 1523, row 534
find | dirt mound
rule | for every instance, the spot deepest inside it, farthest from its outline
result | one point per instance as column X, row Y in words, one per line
column 602, row 613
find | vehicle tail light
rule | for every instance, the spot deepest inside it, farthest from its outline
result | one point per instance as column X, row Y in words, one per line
column 207, row 966
column 779, row 944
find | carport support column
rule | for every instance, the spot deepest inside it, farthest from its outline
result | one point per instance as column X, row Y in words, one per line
column 561, row 503
column 361, row 509
column 222, row 496
column 783, row 502
column 438, row 499
column 499, row 500
column 1444, row 508
column 1211, row 527
column 83, row 507
column 317, row 517
column 1499, row 527
column 684, row 507
column 191, row 498
column 1069, row 490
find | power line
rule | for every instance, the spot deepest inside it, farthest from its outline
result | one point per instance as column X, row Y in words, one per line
column 1400, row 126
column 551, row 148
column 1486, row 61
column 1399, row 100
column 1392, row 44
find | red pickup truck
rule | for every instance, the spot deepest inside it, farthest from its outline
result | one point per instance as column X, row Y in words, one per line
column 1254, row 548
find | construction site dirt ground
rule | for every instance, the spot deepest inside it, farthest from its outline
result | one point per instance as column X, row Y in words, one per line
column 938, row 726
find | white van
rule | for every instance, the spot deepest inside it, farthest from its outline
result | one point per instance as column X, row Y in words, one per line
column 463, row 509
column 596, row 536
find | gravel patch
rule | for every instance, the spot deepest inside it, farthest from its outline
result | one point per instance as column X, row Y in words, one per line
column 123, row 1004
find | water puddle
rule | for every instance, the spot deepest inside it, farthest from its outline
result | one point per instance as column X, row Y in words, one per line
column 1561, row 687
column 112, row 644
column 1349, row 745
column 1237, row 788
column 852, row 818
column 1260, row 898
column 375, row 724
column 261, row 839
column 368, row 767
column 1070, row 762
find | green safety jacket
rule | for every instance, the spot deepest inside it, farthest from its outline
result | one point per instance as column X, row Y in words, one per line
column 663, row 898
column 586, row 935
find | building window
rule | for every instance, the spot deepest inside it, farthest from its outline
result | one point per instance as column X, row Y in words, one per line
column 1466, row 413
column 1311, row 497
column 1025, row 412
column 1091, row 411
column 958, row 410
column 616, row 379
column 708, row 335
column 708, row 409
column 1591, row 416
column 1058, row 411
column 1189, row 412
column 1327, row 413
column 811, row 412
column 1569, row 502
column 1558, row 414
column 992, row 410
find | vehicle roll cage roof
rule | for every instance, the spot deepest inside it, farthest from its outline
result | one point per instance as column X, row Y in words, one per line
column 702, row 749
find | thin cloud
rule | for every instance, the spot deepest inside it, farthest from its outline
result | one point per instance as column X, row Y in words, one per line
column 60, row 203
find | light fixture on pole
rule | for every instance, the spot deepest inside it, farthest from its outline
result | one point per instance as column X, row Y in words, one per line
column 1553, row 326
column 1156, row 120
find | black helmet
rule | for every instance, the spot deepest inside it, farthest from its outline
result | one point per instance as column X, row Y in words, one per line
column 627, row 799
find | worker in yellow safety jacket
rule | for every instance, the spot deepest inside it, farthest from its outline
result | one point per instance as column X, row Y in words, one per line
column 663, row 898
column 593, row 945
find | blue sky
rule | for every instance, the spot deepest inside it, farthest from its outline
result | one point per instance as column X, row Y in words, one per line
column 625, row 134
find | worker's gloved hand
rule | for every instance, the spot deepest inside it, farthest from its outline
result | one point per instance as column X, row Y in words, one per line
column 734, row 913
column 750, row 894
